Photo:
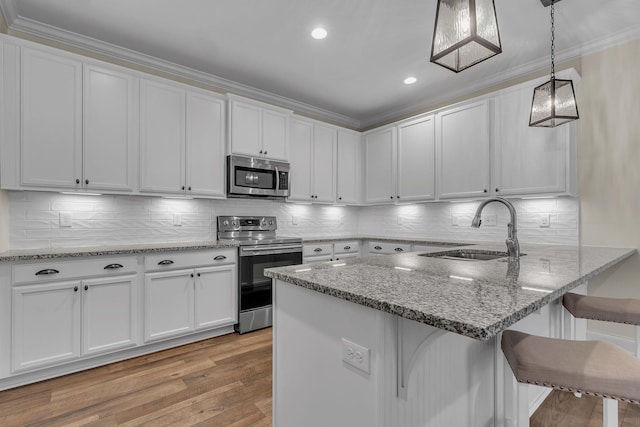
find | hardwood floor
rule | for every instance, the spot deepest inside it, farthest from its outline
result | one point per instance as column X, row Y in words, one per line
column 223, row 381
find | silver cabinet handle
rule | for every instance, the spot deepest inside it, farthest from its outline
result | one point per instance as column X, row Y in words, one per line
column 378, row 248
column 165, row 262
column 346, row 248
column 398, row 249
column 317, row 250
column 220, row 258
column 47, row 272
column 113, row 266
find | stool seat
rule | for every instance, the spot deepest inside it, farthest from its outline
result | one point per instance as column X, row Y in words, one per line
column 619, row 310
column 591, row 367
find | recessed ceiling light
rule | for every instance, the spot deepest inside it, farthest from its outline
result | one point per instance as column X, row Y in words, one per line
column 410, row 80
column 319, row 33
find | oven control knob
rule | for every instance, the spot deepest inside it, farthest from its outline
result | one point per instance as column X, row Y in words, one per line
column 264, row 222
column 225, row 222
column 233, row 223
column 271, row 222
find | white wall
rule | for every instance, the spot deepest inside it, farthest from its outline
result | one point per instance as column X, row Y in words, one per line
column 113, row 220
column 435, row 220
column 608, row 167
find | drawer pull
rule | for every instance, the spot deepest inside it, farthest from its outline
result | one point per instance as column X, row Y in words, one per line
column 75, row 289
column 398, row 249
column 317, row 250
column 47, row 272
column 113, row 266
column 346, row 248
column 378, row 248
column 220, row 258
column 165, row 262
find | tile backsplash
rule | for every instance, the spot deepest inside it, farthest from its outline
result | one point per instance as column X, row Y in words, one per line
column 110, row 220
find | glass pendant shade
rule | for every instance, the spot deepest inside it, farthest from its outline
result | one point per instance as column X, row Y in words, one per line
column 466, row 33
column 554, row 103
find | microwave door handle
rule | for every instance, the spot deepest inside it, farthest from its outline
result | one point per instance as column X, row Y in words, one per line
column 277, row 179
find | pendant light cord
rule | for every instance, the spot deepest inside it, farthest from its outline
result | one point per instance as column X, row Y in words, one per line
column 553, row 40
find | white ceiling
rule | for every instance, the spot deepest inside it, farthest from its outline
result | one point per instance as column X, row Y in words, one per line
column 353, row 77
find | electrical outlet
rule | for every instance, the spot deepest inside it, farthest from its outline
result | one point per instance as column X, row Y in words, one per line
column 490, row 220
column 546, row 265
column 399, row 220
column 65, row 219
column 545, row 220
column 177, row 219
column 356, row 355
column 294, row 220
column 455, row 221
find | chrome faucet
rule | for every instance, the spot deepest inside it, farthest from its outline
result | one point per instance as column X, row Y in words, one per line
column 513, row 247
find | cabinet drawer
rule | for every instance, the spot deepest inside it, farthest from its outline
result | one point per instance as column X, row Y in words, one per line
column 62, row 270
column 319, row 249
column 346, row 247
column 171, row 260
column 388, row 247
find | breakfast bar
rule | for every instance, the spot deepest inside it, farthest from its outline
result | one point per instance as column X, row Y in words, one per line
column 412, row 339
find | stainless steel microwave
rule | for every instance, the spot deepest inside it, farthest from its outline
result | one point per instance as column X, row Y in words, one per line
column 255, row 177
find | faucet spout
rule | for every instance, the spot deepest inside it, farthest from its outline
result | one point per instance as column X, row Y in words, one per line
column 513, row 246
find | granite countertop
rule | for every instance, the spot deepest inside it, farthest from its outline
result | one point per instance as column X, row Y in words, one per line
column 413, row 240
column 477, row 299
column 84, row 251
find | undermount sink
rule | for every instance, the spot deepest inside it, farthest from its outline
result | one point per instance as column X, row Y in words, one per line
column 467, row 255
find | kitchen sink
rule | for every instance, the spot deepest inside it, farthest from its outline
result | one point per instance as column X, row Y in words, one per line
column 467, row 255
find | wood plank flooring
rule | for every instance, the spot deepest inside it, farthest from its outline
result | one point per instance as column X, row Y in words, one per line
column 223, row 381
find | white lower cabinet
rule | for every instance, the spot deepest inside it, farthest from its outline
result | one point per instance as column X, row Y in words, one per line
column 181, row 301
column 61, row 321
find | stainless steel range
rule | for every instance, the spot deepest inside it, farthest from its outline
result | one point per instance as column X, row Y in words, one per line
column 259, row 249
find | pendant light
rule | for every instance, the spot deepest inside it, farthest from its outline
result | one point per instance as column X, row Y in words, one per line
column 554, row 102
column 465, row 33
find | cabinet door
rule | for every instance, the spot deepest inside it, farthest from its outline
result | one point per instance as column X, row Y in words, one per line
column 528, row 160
column 300, row 172
column 168, row 304
column 46, row 324
column 463, row 151
column 324, row 169
column 162, row 137
column 246, row 129
column 110, row 128
column 417, row 160
column 275, row 134
column 205, row 145
column 216, row 290
column 51, row 149
column 109, row 318
column 348, row 167
column 379, row 166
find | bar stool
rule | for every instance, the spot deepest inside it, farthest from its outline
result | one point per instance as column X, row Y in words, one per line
column 619, row 310
column 591, row 367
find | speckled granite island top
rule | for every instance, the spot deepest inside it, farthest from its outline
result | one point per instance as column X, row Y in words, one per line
column 85, row 251
column 477, row 299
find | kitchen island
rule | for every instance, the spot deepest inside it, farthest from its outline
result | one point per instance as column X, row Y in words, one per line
column 413, row 340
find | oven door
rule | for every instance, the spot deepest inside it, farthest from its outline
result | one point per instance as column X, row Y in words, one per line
column 255, row 288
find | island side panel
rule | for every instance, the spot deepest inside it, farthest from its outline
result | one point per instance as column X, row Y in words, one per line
column 312, row 385
column 451, row 384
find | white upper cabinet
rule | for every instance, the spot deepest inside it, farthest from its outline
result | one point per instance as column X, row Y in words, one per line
column 257, row 129
column 416, row 160
column 181, row 140
column 162, row 137
column 348, row 167
column 110, row 129
column 313, row 150
column 205, row 144
column 463, row 151
column 380, row 170
column 51, row 145
column 529, row 160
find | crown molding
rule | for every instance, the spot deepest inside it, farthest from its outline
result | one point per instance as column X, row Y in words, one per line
column 16, row 23
column 38, row 29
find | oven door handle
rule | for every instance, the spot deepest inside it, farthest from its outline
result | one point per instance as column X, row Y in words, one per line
column 247, row 251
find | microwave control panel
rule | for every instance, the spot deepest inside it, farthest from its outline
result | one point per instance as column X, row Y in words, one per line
column 283, row 180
